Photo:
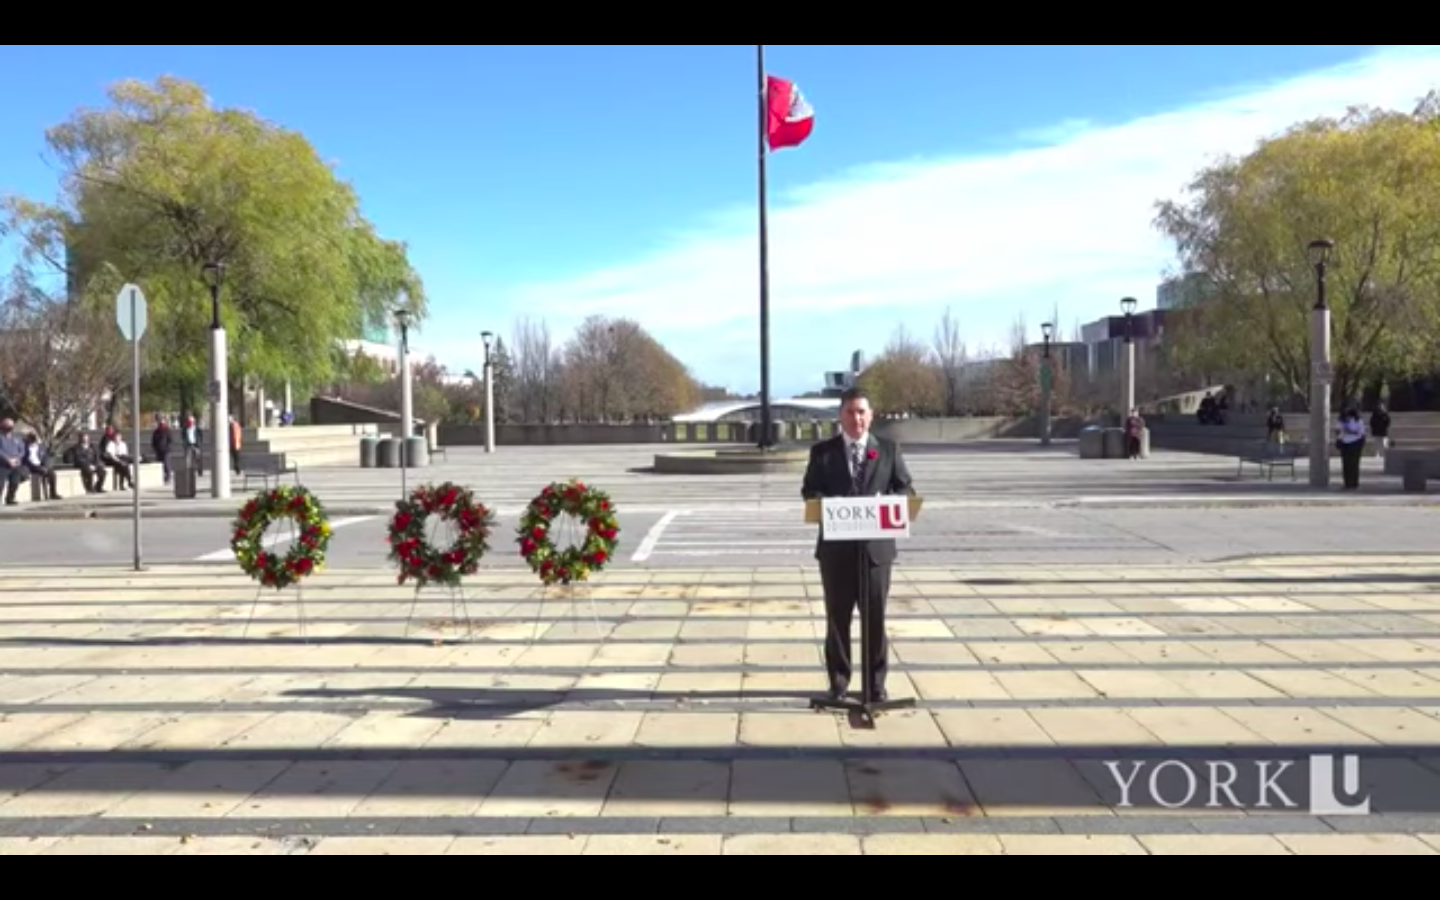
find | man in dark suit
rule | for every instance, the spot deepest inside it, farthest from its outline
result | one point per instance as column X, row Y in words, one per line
column 855, row 463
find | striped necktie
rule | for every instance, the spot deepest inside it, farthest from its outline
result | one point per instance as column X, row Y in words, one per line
column 859, row 452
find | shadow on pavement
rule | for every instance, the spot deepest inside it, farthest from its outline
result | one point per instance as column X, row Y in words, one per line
column 739, row 780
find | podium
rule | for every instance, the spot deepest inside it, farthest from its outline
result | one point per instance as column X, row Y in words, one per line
column 855, row 520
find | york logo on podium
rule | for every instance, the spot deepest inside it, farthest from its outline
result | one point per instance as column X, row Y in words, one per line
column 866, row 518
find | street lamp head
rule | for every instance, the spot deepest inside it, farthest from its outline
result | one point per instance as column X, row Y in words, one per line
column 403, row 317
column 1320, row 251
column 214, row 273
column 487, row 337
column 1048, row 329
column 1129, row 305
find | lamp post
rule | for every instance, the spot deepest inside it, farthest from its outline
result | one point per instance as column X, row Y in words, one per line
column 1129, row 305
column 1321, row 376
column 488, row 338
column 407, row 402
column 1047, row 385
column 214, row 274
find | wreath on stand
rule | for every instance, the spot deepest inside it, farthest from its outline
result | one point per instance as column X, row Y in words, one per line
column 573, row 564
column 426, row 564
column 312, row 538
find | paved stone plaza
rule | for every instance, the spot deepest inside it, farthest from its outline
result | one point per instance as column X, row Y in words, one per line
column 1090, row 644
column 136, row 718
column 989, row 503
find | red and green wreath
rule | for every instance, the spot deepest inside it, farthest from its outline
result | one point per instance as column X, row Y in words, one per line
column 312, row 538
column 593, row 509
column 410, row 547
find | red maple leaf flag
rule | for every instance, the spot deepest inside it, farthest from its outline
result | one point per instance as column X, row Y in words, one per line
column 791, row 119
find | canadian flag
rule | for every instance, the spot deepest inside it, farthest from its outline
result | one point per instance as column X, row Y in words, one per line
column 791, row 119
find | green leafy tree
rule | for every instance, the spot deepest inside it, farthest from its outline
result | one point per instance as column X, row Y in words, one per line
column 160, row 183
column 1370, row 181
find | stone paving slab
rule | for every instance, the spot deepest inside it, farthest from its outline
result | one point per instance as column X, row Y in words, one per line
column 1061, row 710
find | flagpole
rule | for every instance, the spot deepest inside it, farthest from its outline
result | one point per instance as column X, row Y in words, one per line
column 766, row 430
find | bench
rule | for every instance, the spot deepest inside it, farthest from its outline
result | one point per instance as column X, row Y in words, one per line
column 72, row 487
column 1269, row 456
column 266, row 467
column 441, row 452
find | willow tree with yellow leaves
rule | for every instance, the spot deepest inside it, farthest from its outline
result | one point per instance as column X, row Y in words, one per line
column 161, row 182
column 1369, row 181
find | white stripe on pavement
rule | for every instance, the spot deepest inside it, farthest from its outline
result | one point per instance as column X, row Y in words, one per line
column 647, row 546
column 730, row 542
column 729, row 551
column 280, row 535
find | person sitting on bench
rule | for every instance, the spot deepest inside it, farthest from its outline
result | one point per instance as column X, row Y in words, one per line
column 36, row 459
column 86, row 458
column 116, row 455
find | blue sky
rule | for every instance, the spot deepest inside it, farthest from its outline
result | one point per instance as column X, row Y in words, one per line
column 561, row 181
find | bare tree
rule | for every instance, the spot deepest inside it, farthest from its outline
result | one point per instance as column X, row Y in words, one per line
column 1019, row 334
column 536, row 365
column 906, row 378
column 951, row 355
column 58, row 357
column 615, row 371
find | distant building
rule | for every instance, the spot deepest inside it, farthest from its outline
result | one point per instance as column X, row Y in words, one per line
column 1071, row 356
column 837, row 383
column 792, row 410
column 1105, row 340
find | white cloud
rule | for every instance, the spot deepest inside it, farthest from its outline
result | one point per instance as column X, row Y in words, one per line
column 1069, row 223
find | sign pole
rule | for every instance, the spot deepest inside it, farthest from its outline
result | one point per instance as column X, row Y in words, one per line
column 132, row 316
column 135, row 399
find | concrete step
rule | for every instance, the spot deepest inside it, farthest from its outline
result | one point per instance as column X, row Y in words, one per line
column 1421, row 419
column 307, row 446
column 1416, row 436
column 324, row 459
column 299, row 431
column 281, row 439
column 1206, row 435
column 319, row 458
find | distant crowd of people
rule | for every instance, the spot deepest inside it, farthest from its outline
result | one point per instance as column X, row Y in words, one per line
column 27, row 457
column 24, row 458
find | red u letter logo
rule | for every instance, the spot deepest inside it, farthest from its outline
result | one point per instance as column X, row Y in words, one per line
column 892, row 517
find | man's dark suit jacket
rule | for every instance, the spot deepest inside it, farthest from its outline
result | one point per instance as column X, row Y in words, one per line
column 828, row 475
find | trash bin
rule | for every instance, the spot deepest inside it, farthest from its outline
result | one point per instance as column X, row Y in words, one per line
column 183, row 475
column 417, row 453
column 1092, row 443
column 369, row 450
column 1417, row 475
column 388, row 453
column 1115, row 443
